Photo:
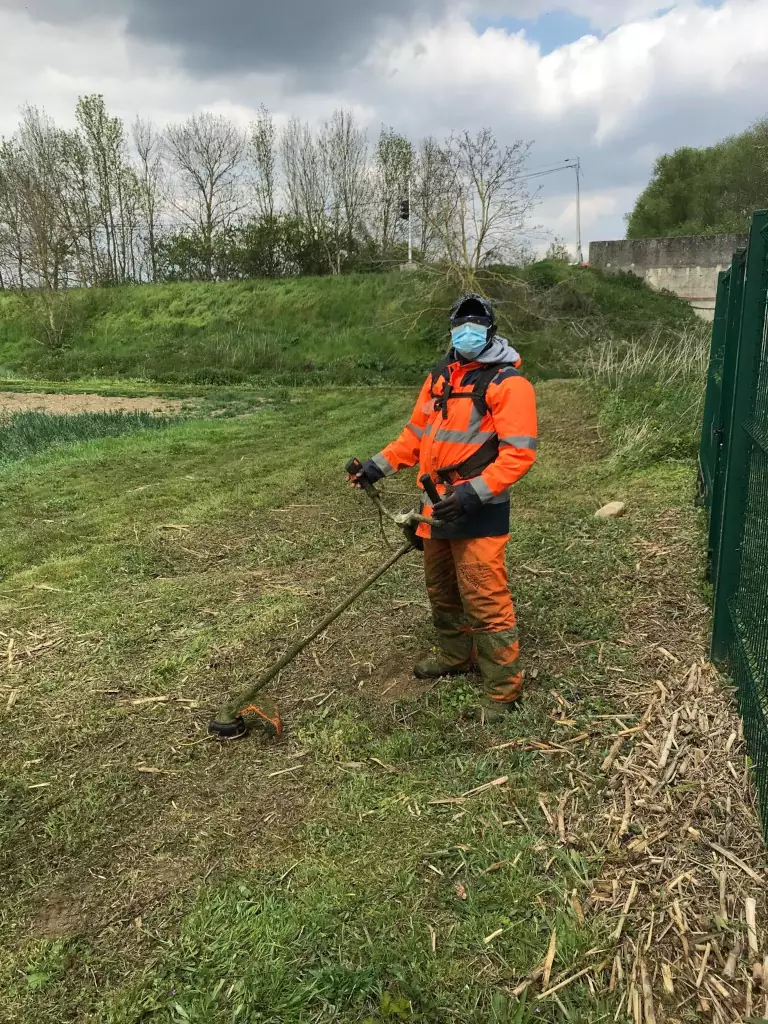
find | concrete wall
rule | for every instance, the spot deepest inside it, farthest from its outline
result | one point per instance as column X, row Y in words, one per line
column 687, row 266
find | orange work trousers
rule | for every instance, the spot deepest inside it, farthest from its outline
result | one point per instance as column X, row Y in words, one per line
column 473, row 612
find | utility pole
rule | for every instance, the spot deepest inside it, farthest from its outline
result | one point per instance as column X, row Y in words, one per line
column 410, row 225
column 571, row 164
column 406, row 214
column 579, row 247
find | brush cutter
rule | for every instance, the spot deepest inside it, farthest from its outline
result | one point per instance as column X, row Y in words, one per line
column 230, row 722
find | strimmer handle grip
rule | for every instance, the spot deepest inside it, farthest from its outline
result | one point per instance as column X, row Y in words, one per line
column 354, row 467
column 431, row 490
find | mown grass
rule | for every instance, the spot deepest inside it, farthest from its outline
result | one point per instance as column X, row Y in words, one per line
column 29, row 433
column 354, row 329
column 150, row 874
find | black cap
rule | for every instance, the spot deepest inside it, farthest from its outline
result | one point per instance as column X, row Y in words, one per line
column 472, row 306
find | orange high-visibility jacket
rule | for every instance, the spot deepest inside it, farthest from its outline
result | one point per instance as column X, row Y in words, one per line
column 442, row 435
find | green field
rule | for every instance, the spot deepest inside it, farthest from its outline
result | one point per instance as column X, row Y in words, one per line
column 349, row 872
column 156, row 875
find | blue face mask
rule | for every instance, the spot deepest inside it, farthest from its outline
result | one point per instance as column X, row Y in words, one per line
column 469, row 340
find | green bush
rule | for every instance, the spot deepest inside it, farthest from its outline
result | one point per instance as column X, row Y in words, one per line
column 568, row 297
column 546, row 274
column 50, row 318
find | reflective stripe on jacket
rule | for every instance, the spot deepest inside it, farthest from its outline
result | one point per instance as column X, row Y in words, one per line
column 441, row 439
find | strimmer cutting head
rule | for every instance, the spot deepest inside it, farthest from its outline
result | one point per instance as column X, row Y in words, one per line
column 267, row 715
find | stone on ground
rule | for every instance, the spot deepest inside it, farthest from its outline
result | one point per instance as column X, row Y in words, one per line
column 612, row 510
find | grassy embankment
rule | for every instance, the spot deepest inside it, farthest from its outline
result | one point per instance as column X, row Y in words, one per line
column 380, row 329
column 150, row 874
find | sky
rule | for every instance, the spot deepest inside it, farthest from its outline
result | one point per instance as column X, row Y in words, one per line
column 614, row 82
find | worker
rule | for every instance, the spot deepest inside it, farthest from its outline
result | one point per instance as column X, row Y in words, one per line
column 474, row 432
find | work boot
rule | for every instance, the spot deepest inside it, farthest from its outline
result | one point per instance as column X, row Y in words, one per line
column 434, row 668
column 492, row 712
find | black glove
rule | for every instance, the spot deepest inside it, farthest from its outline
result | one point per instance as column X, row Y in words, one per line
column 463, row 502
column 370, row 472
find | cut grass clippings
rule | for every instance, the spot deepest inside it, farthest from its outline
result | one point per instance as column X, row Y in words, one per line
column 373, row 865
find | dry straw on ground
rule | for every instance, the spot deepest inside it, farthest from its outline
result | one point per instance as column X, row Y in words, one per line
column 688, row 869
column 671, row 806
column 682, row 894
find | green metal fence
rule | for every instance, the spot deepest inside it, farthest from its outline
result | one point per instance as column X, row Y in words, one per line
column 733, row 484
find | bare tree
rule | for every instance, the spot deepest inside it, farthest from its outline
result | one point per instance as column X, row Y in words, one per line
column 328, row 182
column 12, row 220
column 207, row 153
column 482, row 200
column 41, row 193
column 290, row 146
column 394, row 172
column 81, row 209
column 429, row 186
column 343, row 148
column 263, row 157
column 104, row 137
column 148, row 143
column 308, row 185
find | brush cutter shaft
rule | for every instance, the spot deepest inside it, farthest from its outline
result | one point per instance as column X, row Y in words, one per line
column 231, row 715
column 234, row 709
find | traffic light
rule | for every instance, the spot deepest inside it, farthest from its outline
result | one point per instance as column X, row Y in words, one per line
column 405, row 210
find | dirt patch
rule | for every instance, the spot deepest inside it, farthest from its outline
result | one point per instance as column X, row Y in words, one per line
column 394, row 680
column 61, row 405
column 58, row 919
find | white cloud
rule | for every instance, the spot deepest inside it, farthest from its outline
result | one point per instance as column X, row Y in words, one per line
column 601, row 212
column 689, row 76
column 689, row 51
column 51, row 66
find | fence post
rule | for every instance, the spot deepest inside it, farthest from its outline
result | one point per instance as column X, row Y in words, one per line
column 711, row 434
column 736, row 441
column 731, row 329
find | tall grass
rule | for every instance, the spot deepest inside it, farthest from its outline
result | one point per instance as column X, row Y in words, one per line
column 669, row 360
column 653, row 393
column 28, row 433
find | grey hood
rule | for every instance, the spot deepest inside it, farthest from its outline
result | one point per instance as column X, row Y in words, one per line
column 500, row 352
